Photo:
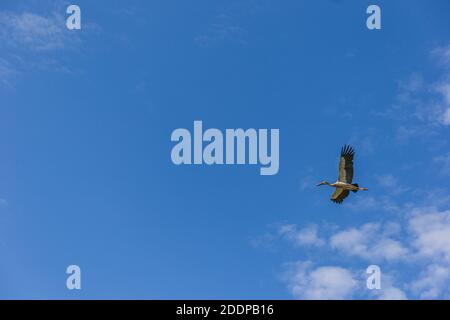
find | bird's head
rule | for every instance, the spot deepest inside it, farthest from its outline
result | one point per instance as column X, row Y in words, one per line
column 322, row 183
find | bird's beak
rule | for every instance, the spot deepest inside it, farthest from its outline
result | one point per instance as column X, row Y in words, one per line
column 320, row 184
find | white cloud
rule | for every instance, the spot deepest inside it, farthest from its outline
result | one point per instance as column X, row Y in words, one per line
column 387, row 180
column 392, row 293
column 32, row 42
column 422, row 107
column 446, row 117
column 353, row 241
column 391, row 183
column 7, row 72
column 388, row 291
column 411, row 85
column 438, row 197
column 428, row 230
column 431, row 233
column 425, row 241
column 322, row 283
column 433, row 282
column 305, row 237
column 442, row 55
column 371, row 203
column 33, row 31
column 369, row 242
column 307, row 282
column 444, row 90
column 444, row 162
column 24, row 38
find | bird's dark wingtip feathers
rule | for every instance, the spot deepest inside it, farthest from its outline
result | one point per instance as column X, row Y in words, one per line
column 347, row 150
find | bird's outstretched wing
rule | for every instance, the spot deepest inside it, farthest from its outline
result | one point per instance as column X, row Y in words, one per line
column 346, row 164
column 339, row 195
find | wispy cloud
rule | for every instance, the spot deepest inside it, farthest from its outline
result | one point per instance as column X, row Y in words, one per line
column 330, row 282
column 30, row 42
column 389, row 290
column 370, row 242
column 430, row 230
column 442, row 55
column 228, row 25
column 32, row 31
column 26, row 39
column 444, row 162
column 391, row 184
column 392, row 293
column 433, row 282
column 224, row 28
column 421, row 108
column 307, row 180
column 7, row 73
column 425, row 240
column 381, row 203
column 327, row 282
column 307, row 236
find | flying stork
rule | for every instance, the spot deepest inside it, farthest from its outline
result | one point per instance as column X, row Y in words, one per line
column 344, row 184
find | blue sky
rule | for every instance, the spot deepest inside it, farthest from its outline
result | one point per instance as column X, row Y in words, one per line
column 86, row 176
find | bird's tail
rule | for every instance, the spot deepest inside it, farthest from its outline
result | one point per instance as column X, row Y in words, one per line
column 355, row 185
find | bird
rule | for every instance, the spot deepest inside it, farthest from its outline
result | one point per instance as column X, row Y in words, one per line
column 344, row 183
